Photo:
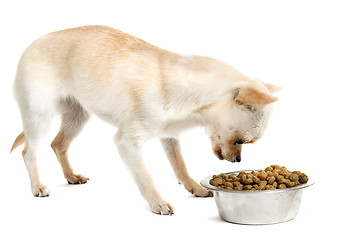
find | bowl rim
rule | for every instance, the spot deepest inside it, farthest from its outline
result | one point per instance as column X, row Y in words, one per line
column 205, row 182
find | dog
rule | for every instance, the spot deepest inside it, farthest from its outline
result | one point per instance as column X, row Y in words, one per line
column 143, row 90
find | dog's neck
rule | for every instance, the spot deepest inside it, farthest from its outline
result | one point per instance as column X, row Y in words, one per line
column 197, row 84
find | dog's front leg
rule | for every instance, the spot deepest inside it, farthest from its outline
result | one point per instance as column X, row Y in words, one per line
column 173, row 152
column 130, row 152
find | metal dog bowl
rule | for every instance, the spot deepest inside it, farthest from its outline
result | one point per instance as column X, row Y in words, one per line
column 257, row 207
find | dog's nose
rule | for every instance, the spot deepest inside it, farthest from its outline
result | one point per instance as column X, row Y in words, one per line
column 238, row 158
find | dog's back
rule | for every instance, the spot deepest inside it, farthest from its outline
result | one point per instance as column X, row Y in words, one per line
column 90, row 61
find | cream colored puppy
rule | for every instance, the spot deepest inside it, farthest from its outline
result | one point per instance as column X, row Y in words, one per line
column 143, row 90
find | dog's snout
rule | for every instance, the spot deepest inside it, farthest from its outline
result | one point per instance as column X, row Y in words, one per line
column 238, row 158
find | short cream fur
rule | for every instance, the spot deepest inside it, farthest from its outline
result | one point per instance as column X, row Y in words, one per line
column 145, row 91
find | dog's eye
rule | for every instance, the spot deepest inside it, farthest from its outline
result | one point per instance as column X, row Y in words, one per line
column 250, row 108
column 238, row 142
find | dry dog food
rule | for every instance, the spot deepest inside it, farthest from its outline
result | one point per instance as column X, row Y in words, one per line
column 273, row 177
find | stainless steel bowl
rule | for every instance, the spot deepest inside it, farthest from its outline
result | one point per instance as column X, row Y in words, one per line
column 257, row 207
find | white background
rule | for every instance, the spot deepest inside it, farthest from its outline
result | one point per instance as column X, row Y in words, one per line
column 309, row 48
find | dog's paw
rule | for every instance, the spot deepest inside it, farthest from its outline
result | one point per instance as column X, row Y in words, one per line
column 40, row 191
column 162, row 208
column 197, row 190
column 76, row 179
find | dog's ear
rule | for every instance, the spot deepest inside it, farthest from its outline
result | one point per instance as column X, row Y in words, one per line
column 272, row 88
column 252, row 96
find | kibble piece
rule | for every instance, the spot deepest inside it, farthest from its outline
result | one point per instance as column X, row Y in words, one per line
column 270, row 187
column 242, row 178
column 262, row 185
column 262, row 175
column 256, row 179
column 269, row 174
column 247, row 187
column 233, row 177
column 280, row 179
column 229, row 185
column 237, row 184
column 275, row 166
column 293, row 177
column 216, row 181
column 303, row 178
column 248, row 181
column 271, row 180
column 289, row 183
column 281, row 186
column 269, row 169
column 284, row 172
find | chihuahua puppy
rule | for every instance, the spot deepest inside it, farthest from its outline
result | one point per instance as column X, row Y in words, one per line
column 143, row 90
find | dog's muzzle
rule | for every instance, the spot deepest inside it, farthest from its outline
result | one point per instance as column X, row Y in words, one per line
column 230, row 153
column 230, row 158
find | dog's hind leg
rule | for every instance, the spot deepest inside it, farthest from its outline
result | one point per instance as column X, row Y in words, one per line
column 36, row 122
column 173, row 152
column 130, row 152
column 74, row 118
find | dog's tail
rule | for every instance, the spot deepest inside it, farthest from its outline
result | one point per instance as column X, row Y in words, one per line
column 18, row 141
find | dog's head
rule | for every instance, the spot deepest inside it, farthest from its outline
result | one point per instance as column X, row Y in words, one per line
column 241, row 120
